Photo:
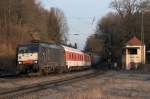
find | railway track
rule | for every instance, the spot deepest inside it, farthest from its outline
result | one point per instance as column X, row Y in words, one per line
column 45, row 85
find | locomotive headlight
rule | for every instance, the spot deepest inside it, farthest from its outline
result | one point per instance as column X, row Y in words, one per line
column 20, row 62
column 35, row 61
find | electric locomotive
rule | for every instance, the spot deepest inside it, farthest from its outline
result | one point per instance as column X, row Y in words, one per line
column 41, row 57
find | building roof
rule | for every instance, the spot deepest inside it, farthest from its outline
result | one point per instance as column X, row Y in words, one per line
column 134, row 41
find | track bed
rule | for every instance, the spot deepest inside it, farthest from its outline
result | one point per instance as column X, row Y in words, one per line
column 13, row 86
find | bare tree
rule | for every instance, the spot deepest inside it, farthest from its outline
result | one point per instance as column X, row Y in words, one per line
column 24, row 20
column 94, row 44
column 131, row 12
column 118, row 27
column 57, row 25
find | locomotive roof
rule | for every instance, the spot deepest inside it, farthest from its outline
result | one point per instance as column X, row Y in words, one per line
column 50, row 45
column 70, row 49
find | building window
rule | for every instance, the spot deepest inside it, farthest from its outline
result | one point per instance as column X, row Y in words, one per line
column 132, row 51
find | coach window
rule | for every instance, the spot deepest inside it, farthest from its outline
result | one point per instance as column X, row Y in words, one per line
column 79, row 57
column 76, row 56
column 73, row 56
column 83, row 58
column 86, row 58
column 69, row 56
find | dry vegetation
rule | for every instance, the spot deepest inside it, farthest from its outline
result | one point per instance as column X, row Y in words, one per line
column 24, row 20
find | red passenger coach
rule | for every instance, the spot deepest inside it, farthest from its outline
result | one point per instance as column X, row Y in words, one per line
column 76, row 59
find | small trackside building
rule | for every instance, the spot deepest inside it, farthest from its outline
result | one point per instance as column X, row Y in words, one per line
column 134, row 54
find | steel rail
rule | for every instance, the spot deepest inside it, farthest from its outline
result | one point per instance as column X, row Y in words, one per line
column 46, row 84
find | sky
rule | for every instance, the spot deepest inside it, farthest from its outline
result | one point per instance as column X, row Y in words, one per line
column 82, row 16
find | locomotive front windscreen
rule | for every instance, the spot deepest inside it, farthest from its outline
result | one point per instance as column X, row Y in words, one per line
column 28, row 49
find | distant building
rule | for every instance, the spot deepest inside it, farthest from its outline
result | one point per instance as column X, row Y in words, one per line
column 134, row 54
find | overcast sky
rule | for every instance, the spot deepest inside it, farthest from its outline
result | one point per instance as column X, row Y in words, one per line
column 82, row 16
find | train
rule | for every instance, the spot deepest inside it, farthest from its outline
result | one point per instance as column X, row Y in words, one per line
column 95, row 58
column 50, row 57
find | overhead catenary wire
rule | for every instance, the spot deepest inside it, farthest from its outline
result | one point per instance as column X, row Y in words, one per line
column 89, row 21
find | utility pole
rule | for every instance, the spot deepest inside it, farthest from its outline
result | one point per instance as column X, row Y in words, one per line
column 142, row 33
column 143, row 11
column 109, row 47
column 142, row 27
